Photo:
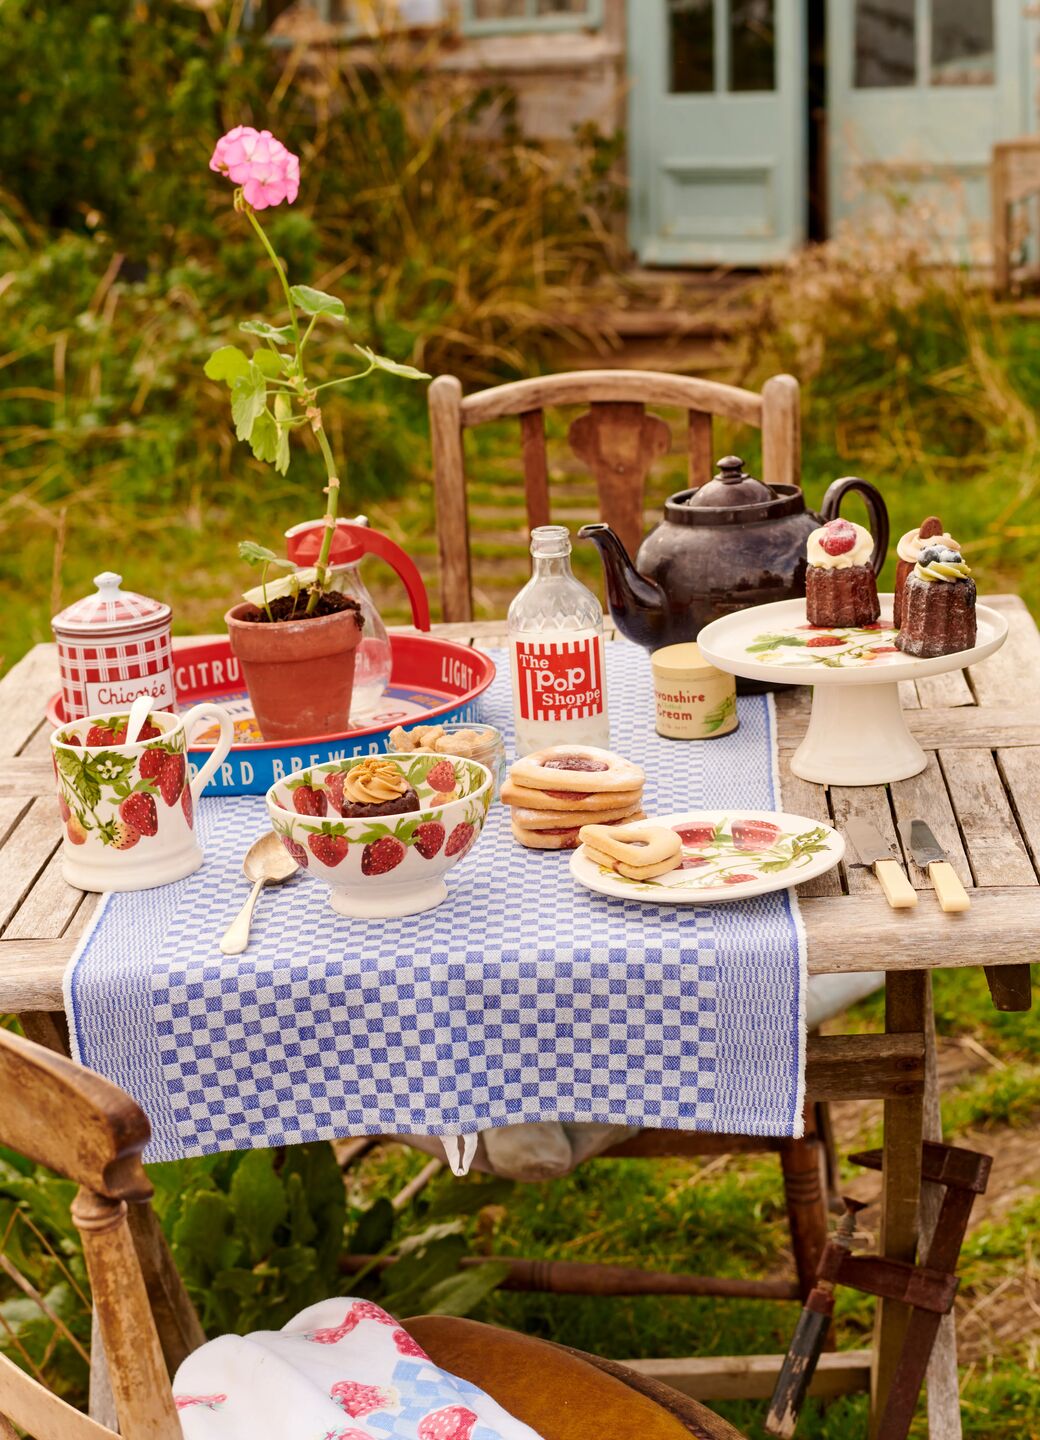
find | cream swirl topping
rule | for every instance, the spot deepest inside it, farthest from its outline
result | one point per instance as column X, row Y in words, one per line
column 374, row 781
column 939, row 563
column 857, row 553
column 911, row 545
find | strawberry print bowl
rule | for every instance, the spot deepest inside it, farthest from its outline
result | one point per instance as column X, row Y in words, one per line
column 380, row 867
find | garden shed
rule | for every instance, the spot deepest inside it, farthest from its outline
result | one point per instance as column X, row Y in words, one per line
column 753, row 125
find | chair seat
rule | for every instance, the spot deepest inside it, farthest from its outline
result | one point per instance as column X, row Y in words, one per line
column 560, row 1392
column 347, row 1370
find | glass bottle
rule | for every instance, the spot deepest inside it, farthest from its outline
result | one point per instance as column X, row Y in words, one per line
column 556, row 652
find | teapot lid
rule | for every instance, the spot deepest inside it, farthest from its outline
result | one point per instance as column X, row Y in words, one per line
column 731, row 487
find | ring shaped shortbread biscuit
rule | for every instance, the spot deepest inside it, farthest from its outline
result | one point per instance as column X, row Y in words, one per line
column 574, row 802
column 576, row 767
column 638, row 851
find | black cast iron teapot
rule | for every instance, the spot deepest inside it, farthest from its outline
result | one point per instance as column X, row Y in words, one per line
column 725, row 546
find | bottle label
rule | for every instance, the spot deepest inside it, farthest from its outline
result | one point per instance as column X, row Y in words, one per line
column 559, row 679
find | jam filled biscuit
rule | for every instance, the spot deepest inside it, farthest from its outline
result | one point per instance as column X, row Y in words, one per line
column 576, row 802
column 553, row 819
column 637, row 851
column 576, row 767
column 561, row 839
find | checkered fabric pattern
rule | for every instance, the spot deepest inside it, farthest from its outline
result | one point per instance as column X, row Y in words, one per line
column 85, row 667
column 524, row 997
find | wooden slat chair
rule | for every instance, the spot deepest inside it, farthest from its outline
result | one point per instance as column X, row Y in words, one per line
column 619, row 441
column 74, row 1122
column 615, row 438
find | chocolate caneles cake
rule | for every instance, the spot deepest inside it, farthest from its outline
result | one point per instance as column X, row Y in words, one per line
column 938, row 606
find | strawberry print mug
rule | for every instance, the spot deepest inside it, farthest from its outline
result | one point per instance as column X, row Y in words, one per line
column 129, row 810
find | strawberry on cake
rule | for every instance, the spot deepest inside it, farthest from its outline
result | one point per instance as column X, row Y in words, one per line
column 840, row 588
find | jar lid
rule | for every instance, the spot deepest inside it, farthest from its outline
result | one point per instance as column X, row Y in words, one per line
column 681, row 662
column 111, row 610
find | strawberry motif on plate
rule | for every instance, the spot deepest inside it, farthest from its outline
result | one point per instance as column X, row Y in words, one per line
column 442, row 779
column 329, row 844
column 755, row 834
column 334, row 790
column 695, row 834
column 171, row 781
column 208, row 1402
column 187, row 804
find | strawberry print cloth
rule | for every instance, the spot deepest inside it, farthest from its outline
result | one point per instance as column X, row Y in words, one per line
column 523, row 998
column 341, row 1370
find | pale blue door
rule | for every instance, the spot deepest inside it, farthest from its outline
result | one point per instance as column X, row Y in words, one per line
column 717, row 122
column 918, row 91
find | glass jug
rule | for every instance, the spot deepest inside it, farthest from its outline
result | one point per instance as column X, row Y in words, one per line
column 351, row 541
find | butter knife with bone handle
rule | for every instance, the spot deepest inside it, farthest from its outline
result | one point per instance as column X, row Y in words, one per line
column 932, row 858
column 874, row 850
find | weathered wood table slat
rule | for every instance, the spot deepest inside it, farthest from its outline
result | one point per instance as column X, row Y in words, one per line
column 980, row 792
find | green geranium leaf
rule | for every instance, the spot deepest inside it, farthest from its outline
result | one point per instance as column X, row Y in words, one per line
column 269, row 363
column 248, row 399
column 280, row 334
column 264, row 437
column 282, row 413
column 317, row 302
column 260, row 555
column 393, row 367
column 227, row 364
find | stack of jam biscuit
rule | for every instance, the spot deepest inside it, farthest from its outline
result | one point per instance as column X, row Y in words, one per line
column 554, row 792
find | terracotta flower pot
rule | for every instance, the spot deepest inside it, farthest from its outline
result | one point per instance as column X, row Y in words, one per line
column 299, row 673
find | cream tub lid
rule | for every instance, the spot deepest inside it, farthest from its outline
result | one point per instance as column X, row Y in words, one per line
column 682, row 662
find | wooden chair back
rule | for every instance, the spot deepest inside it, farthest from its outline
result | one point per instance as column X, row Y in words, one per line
column 59, row 1115
column 615, row 438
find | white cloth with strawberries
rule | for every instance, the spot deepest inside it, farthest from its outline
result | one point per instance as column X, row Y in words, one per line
column 341, row 1370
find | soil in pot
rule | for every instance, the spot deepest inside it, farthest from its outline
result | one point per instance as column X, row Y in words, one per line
column 294, row 607
column 299, row 670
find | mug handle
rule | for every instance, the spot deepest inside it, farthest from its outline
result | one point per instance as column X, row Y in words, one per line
column 876, row 509
column 220, row 750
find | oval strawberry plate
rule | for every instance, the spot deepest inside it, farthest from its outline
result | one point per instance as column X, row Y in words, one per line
column 726, row 855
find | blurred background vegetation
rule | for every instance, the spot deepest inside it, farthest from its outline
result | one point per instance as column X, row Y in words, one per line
column 122, row 265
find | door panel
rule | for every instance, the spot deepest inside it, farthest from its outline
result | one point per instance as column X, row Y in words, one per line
column 918, row 91
column 716, row 130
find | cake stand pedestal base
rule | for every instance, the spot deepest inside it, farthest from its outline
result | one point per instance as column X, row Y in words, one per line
column 857, row 735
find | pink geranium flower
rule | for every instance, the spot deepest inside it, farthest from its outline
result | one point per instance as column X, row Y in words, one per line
column 267, row 172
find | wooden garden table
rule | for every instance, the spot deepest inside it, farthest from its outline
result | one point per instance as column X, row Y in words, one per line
column 981, row 794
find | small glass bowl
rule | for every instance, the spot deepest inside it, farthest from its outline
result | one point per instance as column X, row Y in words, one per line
column 491, row 752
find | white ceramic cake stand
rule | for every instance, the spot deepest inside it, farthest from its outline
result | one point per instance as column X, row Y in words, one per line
column 857, row 732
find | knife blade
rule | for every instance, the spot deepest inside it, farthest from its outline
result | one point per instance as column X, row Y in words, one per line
column 874, row 850
column 933, row 860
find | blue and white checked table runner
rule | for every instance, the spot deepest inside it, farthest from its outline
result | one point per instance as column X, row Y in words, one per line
column 523, row 997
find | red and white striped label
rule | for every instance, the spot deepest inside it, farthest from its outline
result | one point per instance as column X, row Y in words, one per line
column 559, row 679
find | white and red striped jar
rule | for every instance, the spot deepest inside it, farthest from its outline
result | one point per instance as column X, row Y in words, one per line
column 113, row 646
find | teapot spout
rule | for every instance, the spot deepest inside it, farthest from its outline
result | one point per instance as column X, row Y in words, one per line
column 637, row 605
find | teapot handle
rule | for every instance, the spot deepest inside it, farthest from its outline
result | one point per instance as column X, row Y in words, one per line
column 876, row 509
column 303, row 542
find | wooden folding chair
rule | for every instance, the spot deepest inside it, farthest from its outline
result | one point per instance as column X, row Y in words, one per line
column 615, row 438
column 62, row 1116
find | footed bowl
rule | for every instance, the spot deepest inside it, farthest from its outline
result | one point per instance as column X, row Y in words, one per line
column 384, row 866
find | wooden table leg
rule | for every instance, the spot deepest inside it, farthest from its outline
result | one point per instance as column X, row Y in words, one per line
column 907, row 1010
column 944, row 1402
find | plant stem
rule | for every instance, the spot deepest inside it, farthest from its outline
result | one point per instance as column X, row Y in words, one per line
column 251, row 214
column 331, row 508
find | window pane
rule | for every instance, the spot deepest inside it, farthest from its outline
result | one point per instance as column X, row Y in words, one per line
column 691, row 27
column 886, row 42
column 962, row 42
column 752, row 45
